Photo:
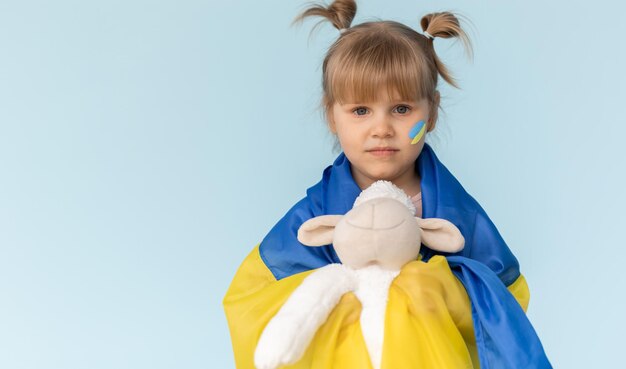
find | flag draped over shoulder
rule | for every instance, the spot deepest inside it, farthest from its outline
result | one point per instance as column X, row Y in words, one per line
column 442, row 197
column 479, row 294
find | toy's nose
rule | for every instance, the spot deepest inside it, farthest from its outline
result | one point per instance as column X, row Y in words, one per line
column 378, row 213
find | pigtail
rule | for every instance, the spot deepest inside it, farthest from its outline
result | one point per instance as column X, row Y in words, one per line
column 445, row 25
column 340, row 13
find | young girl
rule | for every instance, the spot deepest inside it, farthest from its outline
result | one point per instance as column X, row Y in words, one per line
column 380, row 99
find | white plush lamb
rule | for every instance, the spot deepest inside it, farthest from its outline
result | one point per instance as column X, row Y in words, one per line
column 373, row 241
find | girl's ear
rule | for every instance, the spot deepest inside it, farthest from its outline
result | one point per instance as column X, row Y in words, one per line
column 440, row 234
column 433, row 112
column 331, row 122
column 318, row 231
column 328, row 110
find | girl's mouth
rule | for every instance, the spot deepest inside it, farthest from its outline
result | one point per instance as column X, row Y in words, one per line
column 383, row 152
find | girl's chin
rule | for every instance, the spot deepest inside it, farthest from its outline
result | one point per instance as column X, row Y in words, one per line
column 386, row 175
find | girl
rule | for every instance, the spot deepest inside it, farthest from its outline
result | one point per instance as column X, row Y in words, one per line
column 380, row 100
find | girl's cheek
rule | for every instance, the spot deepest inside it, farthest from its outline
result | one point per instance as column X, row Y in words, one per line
column 417, row 132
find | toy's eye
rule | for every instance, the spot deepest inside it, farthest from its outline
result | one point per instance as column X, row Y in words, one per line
column 361, row 110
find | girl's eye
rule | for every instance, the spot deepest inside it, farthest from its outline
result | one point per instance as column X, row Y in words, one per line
column 403, row 109
column 360, row 109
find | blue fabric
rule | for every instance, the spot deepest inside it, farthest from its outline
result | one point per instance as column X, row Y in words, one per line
column 442, row 197
column 504, row 336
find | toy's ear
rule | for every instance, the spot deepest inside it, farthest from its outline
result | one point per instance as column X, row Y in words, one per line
column 440, row 234
column 318, row 231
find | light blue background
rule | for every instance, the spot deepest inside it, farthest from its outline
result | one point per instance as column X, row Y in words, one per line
column 147, row 146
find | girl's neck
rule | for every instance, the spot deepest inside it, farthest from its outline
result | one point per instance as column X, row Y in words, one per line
column 409, row 182
column 411, row 186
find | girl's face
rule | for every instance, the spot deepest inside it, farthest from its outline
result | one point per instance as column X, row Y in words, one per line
column 362, row 127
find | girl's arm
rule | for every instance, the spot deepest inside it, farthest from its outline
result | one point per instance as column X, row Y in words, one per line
column 489, row 247
column 520, row 291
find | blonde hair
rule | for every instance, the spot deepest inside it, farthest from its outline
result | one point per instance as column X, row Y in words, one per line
column 374, row 54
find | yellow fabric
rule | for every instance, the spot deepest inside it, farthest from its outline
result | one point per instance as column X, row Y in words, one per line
column 520, row 291
column 437, row 332
column 428, row 320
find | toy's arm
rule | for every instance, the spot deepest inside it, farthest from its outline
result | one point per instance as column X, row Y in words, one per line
column 288, row 334
column 253, row 297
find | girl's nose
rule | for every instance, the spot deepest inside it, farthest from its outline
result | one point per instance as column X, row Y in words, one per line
column 383, row 127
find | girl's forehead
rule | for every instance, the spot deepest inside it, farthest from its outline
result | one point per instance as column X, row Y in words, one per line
column 383, row 94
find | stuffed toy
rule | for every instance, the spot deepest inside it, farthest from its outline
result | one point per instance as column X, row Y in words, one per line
column 374, row 241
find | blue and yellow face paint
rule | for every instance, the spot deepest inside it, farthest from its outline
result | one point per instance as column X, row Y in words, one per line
column 417, row 132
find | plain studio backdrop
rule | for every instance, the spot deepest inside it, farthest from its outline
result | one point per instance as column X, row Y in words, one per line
column 147, row 146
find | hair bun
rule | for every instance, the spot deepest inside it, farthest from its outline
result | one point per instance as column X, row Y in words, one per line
column 340, row 13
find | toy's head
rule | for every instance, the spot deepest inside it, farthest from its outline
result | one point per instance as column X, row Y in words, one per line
column 380, row 230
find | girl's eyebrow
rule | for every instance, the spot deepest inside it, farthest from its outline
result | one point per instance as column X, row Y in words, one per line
column 392, row 102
